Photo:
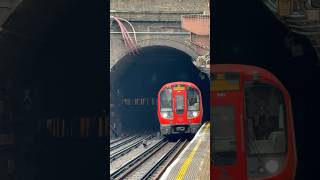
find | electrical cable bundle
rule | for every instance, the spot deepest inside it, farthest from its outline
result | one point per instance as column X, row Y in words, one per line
column 128, row 41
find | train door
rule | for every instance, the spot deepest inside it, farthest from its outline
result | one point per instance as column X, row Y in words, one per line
column 228, row 149
column 179, row 106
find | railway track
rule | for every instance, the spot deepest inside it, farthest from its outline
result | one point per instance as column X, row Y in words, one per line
column 156, row 171
column 113, row 141
column 150, row 163
column 123, row 142
column 120, row 152
column 120, row 161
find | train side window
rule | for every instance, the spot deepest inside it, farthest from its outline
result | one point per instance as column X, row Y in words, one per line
column 266, row 132
column 224, row 139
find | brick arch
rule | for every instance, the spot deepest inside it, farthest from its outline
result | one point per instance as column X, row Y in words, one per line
column 169, row 43
column 123, row 61
column 180, row 46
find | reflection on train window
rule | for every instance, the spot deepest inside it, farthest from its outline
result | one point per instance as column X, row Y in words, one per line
column 265, row 118
column 179, row 104
column 193, row 99
column 166, row 100
column 224, row 140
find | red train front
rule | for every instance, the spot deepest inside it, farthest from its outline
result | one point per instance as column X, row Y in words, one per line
column 252, row 125
column 179, row 108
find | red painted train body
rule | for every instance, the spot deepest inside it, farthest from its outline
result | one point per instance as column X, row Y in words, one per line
column 179, row 108
column 252, row 131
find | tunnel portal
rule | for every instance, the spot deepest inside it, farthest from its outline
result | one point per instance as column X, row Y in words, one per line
column 136, row 80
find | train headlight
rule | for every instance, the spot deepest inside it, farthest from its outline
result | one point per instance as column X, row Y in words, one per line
column 195, row 114
column 166, row 114
column 272, row 166
column 192, row 114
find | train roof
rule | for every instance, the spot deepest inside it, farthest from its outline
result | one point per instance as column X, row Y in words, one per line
column 180, row 82
column 246, row 69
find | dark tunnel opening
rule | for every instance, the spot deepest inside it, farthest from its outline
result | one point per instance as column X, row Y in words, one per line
column 141, row 76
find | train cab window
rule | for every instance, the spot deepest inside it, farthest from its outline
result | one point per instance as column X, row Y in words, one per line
column 193, row 102
column 266, row 132
column 193, row 99
column 224, row 139
column 166, row 103
column 166, row 100
column 179, row 104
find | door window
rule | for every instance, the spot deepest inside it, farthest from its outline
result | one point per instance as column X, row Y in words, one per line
column 179, row 104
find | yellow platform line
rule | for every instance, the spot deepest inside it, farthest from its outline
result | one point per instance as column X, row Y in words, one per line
column 186, row 164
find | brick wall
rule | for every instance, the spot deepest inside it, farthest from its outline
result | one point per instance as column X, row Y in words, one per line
column 152, row 16
column 163, row 5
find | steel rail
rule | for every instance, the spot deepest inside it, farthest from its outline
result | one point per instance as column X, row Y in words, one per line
column 125, row 150
column 118, row 140
column 124, row 142
column 128, row 166
column 172, row 159
column 150, row 172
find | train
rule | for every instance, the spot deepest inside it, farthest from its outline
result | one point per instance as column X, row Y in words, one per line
column 180, row 108
column 252, row 131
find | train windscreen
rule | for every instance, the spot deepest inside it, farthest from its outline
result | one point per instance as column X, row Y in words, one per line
column 166, row 103
column 193, row 102
column 224, row 139
column 266, row 132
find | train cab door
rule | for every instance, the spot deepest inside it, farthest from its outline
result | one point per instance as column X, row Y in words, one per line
column 228, row 154
column 179, row 108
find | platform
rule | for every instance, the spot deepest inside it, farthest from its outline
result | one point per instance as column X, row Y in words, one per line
column 194, row 161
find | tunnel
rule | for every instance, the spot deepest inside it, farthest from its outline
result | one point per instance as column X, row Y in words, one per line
column 141, row 75
column 53, row 59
